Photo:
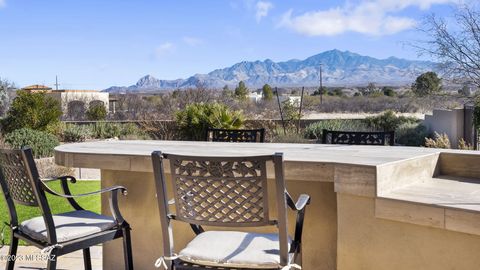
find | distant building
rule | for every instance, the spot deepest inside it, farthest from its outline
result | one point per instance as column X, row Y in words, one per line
column 255, row 97
column 74, row 102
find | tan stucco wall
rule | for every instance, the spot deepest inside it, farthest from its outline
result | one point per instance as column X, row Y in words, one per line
column 140, row 210
column 369, row 243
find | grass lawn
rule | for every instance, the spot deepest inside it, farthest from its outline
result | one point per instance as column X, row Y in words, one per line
column 57, row 204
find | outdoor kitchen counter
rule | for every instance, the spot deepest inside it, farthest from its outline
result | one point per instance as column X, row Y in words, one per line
column 410, row 207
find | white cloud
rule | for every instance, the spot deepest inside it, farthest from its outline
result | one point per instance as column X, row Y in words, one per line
column 261, row 9
column 372, row 17
column 164, row 49
column 192, row 41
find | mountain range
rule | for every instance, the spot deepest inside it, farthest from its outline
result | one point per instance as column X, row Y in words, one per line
column 339, row 68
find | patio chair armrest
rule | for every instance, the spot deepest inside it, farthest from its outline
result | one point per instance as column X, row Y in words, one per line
column 302, row 201
column 113, row 201
column 66, row 190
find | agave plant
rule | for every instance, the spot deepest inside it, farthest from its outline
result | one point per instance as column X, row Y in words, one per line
column 197, row 117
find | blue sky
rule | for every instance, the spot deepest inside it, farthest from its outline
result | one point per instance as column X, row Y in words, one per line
column 94, row 44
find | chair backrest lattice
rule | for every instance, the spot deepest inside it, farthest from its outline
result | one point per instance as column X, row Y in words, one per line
column 220, row 191
column 358, row 138
column 14, row 169
column 235, row 135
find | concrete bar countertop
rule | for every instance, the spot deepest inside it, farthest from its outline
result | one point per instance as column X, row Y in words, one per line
column 421, row 187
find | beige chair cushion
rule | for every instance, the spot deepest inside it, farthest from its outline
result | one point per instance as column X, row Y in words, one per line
column 68, row 226
column 233, row 249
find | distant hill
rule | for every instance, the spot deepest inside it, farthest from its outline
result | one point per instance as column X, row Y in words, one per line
column 340, row 68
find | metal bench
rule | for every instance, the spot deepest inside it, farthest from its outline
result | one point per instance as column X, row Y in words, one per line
column 358, row 138
column 235, row 135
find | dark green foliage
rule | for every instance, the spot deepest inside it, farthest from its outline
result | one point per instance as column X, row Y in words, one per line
column 426, row 84
column 42, row 143
column 241, row 91
column 411, row 134
column 194, row 120
column 96, row 112
column 32, row 110
column 387, row 121
column 476, row 113
column 267, row 92
column 317, row 92
column 389, row 92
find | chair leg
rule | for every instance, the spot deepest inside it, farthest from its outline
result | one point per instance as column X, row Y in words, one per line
column 12, row 253
column 127, row 248
column 298, row 257
column 52, row 260
column 87, row 262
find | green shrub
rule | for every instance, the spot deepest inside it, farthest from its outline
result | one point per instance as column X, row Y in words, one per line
column 96, row 112
column 42, row 143
column 197, row 117
column 76, row 133
column 476, row 113
column 32, row 110
column 411, row 134
column 314, row 130
column 387, row 121
column 106, row 130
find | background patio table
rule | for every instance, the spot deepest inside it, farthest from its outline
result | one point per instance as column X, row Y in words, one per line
column 373, row 207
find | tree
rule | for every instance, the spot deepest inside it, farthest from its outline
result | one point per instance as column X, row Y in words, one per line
column 32, row 110
column 318, row 92
column 96, row 112
column 388, row 91
column 426, row 84
column 267, row 92
column 456, row 47
column 241, row 91
column 5, row 90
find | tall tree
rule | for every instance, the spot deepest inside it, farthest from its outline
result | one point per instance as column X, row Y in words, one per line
column 267, row 92
column 426, row 84
column 241, row 91
column 455, row 45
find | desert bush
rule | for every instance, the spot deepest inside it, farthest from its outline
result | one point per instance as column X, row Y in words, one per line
column 315, row 130
column 411, row 134
column 196, row 118
column 161, row 130
column 439, row 141
column 42, row 143
column 463, row 145
column 76, row 133
column 106, row 130
column 32, row 110
column 387, row 121
column 48, row 169
column 290, row 136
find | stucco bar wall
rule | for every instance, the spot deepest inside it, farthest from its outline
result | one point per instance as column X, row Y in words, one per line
column 139, row 209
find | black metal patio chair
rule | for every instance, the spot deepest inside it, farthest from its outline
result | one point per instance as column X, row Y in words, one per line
column 235, row 135
column 358, row 138
column 57, row 234
column 227, row 192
